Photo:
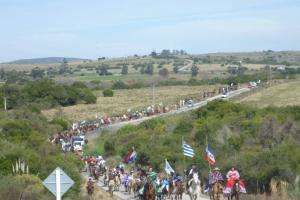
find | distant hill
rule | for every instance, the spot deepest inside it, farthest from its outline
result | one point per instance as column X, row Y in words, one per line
column 261, row 57
column 48, row 60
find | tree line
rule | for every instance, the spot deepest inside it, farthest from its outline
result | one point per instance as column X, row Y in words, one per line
column 45, row 93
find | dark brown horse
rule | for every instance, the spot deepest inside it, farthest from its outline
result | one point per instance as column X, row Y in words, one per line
column 179, row 190
column 235, row 192
column 149, row 191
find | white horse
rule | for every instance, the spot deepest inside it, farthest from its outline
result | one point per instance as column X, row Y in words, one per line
column 194, row 188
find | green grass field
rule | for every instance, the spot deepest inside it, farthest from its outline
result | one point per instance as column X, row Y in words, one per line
column 279, row 95
column 128, row 99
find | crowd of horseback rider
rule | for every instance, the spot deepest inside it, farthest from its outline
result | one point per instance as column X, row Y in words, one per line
column 82, row 128
column 147, row 184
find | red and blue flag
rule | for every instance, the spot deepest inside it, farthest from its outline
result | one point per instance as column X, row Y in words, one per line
column 130, row 157
column 210, row 157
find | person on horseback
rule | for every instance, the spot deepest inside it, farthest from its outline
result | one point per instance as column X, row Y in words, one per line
column 192, row 171
column 190, row 175
column 151, row 174
column 214, row 177
column 233, row 176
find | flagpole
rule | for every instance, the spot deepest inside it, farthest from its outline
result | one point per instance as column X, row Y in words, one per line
column 209, row 166
column 183, row 157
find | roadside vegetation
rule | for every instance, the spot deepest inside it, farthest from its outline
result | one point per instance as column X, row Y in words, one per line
column 24, row 137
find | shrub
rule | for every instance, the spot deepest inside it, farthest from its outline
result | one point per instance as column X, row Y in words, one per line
column 61, row 122
column 163, row 72
column 108, row 93
column 109, row 148
column 119, row 85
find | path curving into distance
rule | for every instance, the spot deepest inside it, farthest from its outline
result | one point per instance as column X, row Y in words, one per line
column 122, row 195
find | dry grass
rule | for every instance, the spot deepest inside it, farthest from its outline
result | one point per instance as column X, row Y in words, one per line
column 279, row 95
column 128, row 99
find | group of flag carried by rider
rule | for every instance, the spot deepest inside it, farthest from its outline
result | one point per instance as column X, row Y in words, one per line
column 214, row 176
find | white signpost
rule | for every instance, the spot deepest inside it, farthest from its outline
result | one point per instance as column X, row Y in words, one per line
column 58, row 183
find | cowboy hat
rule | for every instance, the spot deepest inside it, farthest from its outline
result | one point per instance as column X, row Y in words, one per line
column 216, row 169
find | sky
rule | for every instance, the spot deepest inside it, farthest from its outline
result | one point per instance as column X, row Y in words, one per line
column 117, row 28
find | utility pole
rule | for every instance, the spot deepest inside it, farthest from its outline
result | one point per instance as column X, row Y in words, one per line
column 5, row 103
column 4, row 98
column 153, row 96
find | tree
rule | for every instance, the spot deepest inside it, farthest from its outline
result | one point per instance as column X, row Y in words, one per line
column 124, row 69
column 64, row 67
column 101, row 58
column 194, row 70
column 175, row 69
column 149, row 69
column 108, row 93
column 165, row 53
column 163, row 72
column 102, row 70
column 153, row 54
column 37, row 73
column 2, row 73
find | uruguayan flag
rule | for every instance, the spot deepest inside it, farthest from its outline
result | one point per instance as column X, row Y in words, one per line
column 187, row 150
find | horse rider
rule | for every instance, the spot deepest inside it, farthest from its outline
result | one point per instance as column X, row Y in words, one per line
column 151, row 174
column 214, row 177
column 233, row 176
column 191, row 173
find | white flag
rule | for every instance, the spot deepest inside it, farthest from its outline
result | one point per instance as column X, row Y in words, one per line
column 168, row 168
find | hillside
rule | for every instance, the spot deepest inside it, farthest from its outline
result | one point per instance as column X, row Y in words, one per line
column 262, row 143
column 265, row 57
column 279, row 95
column 48, row 60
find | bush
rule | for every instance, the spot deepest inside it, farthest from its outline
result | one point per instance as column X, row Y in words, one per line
column 119, row 85
column 163, row 72
column 109, row 148
column 61, row 122
column 108, row 93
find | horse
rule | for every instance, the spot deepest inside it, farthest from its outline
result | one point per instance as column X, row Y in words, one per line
column 235, row 192
column 149, row 191
column 111, row 183
column 117, row 180
column 90, row 189
column 172, row 190
column 194, row 187
column 179, row 189
column 216, row 191
column 137, row 184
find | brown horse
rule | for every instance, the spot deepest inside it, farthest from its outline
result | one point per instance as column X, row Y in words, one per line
column 149, row 191
column 179, row 190
column 235, row 192
column 216, row 191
